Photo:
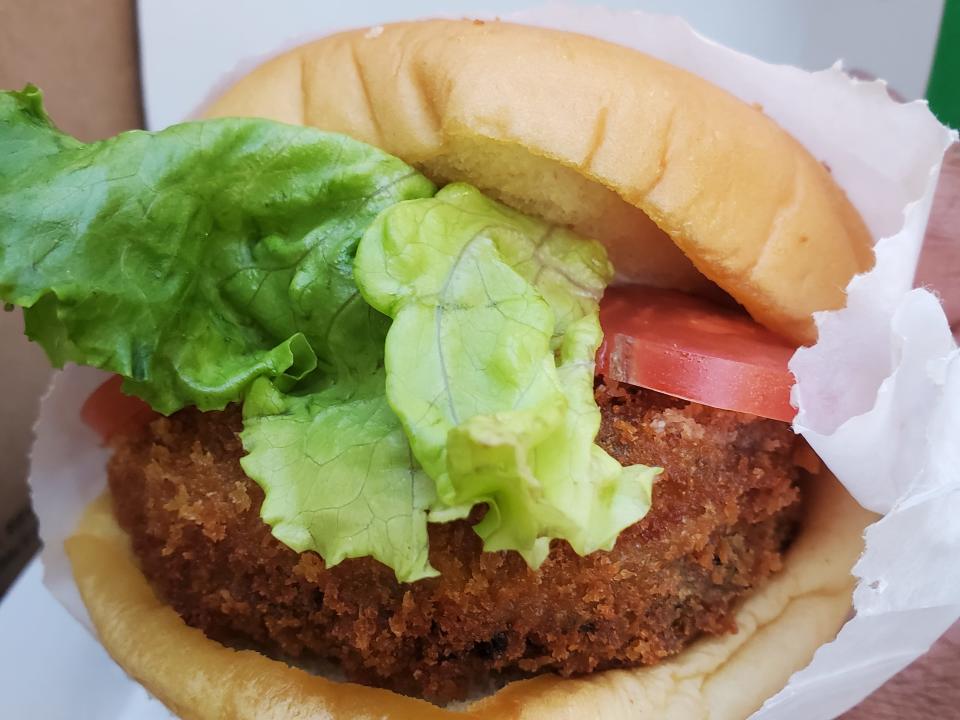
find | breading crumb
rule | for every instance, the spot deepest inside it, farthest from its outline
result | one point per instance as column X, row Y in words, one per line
column 723, row 510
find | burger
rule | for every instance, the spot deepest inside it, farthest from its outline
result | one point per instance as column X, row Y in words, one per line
column 454, row 377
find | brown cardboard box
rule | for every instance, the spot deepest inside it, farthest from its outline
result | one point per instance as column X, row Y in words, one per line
column 83, row 54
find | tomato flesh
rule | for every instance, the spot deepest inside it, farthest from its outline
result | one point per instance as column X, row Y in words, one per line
column 109, row 412
column 690, row 348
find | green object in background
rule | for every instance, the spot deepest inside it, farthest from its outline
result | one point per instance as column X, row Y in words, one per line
column 943, row 91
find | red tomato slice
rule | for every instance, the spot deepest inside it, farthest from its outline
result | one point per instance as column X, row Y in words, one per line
column 687, row 347
column 109, row 412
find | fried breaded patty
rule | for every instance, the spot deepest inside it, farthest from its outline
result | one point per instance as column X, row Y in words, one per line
column 723, row 511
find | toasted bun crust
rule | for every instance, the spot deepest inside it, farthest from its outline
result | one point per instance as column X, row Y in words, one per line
column 780, row 627
column 616, row 144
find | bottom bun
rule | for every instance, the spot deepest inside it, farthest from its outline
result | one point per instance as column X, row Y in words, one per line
column 780, row 626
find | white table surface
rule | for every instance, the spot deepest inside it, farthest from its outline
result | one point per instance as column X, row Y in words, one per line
column 51, row 668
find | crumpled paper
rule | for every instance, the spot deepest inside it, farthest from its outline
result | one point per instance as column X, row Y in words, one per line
column 878, row 395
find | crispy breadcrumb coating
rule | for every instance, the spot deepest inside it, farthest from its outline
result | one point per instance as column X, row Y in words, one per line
column 723, row 511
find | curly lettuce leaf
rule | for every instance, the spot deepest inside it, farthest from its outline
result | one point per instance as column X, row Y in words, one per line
column 338, row 474
column 489, row 364
column 191, row 260
column 212, row 262
column 331, row 456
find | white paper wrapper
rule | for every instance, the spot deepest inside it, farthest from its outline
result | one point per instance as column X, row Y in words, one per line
column 879, row 395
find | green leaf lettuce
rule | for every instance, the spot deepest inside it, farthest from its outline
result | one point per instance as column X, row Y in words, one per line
column 190, row 260
column 211, row 263
column 218, row 262
column 490, row 368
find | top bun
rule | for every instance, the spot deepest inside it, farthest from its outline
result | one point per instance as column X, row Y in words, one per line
column 684, row 183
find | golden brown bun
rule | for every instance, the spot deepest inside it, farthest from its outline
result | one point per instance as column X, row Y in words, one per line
column 780, row 627
column 593, row 135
